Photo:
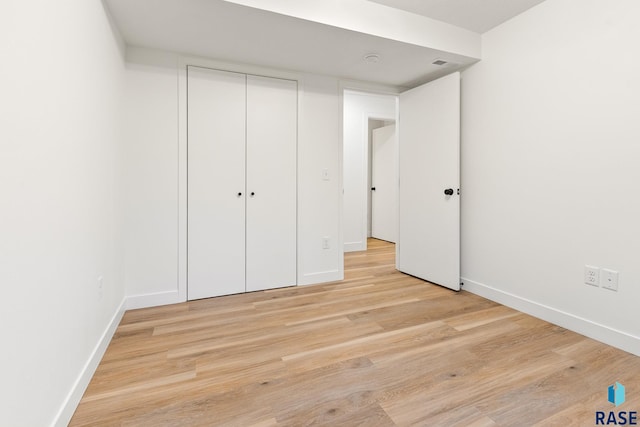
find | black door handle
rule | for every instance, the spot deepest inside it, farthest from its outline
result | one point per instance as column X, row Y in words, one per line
column 449, row 191
column 239, row 194
column 373, row 188
column 253, row 194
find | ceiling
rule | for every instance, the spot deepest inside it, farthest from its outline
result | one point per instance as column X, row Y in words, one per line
column 232, row 32
column 476, row 15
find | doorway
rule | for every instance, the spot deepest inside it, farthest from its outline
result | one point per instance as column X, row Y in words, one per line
column 427, row 177
column 364, row 114
column 383, row 160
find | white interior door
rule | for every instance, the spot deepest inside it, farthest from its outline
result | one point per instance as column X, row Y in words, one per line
column 429, row 164
column 271, row 182
column 384, row 185
column 216, row 183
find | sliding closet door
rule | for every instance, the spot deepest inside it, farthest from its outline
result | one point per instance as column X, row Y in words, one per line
column 271, row 182
column 216, row 182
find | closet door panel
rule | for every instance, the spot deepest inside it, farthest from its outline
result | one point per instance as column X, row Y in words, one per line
column 216, row 182
column 271, row 177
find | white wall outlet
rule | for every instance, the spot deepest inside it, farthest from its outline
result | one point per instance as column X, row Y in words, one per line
column 610, row 279
column 325, row 242
column 325, row 174
column 100, row 283
column 592, row 275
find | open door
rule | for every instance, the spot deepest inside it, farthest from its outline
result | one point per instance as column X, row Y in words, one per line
column 429, row 168
column 384, row 186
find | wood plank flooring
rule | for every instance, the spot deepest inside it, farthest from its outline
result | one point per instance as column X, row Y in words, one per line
column 378, row 349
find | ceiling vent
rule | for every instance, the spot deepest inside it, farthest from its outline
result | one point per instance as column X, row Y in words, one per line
column 439, row 62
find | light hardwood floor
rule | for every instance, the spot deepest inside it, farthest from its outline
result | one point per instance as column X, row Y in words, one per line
column 378, row 349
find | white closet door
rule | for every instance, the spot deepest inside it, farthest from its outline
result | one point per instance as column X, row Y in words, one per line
column 216, row 182
column 271, row 182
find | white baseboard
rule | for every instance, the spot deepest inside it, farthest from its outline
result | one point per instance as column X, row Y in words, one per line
column 355, row 246
column 75, row 395
column 153, row 300
column 320, row 277
column 605, row 334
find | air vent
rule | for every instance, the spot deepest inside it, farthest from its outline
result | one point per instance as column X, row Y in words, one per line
column 439, row 62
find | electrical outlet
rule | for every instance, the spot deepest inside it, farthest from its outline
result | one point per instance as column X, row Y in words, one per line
column 325, row 174
column 100, row 283
column 325, row 242
column 592, row 275
column 610, row 279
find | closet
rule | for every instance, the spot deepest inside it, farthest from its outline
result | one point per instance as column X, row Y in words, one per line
column 241, row 201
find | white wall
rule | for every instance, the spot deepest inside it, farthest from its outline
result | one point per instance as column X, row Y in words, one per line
column 61, row 82
column 150, row 169
column 358, row 108
column 319, row 207
column 550, row 152
column 155, row 165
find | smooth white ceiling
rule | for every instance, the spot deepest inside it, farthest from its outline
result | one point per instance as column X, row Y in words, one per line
column 475, row 15
column 235, row 33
